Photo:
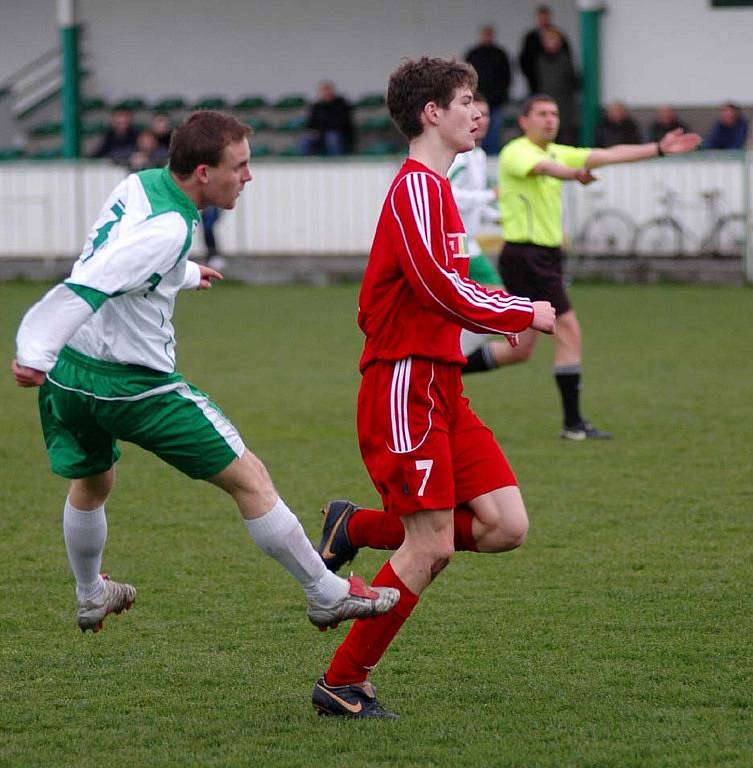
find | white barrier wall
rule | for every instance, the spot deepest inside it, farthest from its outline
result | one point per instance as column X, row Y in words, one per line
column 331, row 208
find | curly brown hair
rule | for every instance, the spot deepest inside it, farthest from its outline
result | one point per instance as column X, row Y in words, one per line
column 416, row 82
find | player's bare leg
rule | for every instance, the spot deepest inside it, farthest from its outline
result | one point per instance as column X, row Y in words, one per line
column 279, row 534
column 500, row 520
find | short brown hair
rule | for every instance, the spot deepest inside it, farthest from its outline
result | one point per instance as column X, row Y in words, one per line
column 530, row 102
column 201, row 138
column 417, row 82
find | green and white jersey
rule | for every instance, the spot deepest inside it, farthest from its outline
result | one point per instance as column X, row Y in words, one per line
column 118, row 302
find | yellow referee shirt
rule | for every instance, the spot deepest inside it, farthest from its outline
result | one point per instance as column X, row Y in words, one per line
column 530, row 207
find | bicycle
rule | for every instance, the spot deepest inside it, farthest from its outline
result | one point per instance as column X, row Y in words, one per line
column 665, row 236
column 606, row 232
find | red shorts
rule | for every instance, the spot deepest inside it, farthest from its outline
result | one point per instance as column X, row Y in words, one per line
column 423, row 446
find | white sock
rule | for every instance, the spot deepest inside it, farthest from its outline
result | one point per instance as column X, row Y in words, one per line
column 85, row 534
column 280, row 535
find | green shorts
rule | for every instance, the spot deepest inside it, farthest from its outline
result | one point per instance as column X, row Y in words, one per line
column 87, row 405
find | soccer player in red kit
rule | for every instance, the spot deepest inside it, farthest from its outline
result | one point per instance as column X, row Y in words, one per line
column 436, row 466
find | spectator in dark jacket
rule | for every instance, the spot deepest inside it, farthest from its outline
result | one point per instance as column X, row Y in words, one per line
column 666, row 120
column 329, row 126
column 617, row 127
column 730, row 131
column 119, row 142
column 533, row 45
column 493, row 69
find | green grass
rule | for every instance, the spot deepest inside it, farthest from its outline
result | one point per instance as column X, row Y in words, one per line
column 619, row 635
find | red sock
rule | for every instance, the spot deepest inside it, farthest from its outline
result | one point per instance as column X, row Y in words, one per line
column 368, row 639
column 376, row 529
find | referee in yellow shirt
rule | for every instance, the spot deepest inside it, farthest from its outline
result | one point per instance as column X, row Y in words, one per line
column 531, row 171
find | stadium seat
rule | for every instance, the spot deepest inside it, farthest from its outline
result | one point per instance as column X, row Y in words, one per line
column 291, row 151
column 292, row 125
column 93, row 103
column 258, row 124
column 211, row 102
column 169, row 103
column 46, row 129
column 376, row 123
column 260, row 150
column 379, row 148
column 370, row 101
column 291, row 101
column 93, row 129
column 132, row 103
column 10, row 153
column 49, row 153
column 249, row 103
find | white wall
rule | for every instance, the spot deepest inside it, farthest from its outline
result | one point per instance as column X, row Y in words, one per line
column 681, row 52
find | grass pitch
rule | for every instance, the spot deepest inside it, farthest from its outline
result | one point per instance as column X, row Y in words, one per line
column 619, row 635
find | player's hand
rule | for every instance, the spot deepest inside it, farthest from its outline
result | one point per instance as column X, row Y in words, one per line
column 207, row 275
column 27, row 377
column 543, row 317
column 584, row 176
column 676, row 142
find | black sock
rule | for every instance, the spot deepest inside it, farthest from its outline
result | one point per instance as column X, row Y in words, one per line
column 481, row 359
column 568, row 381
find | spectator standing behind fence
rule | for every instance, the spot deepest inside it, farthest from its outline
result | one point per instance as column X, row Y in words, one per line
column 730, row 131
column 329, row 125
column 666, row 120
column 555, row 73
column 493, row 69
column 119, row 141
column 162, row 129
column 618, row 127
column 533, row 45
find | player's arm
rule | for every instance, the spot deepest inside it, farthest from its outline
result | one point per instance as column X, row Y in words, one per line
column 419, row 215
column 564, row 172
column 199, row 277
column 673, row 143
column 44, row 331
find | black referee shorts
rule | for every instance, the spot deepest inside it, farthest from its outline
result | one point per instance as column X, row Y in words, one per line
column 535, row 271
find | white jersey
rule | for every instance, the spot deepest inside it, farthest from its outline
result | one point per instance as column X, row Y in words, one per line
column 118, row 302
column 475, row 201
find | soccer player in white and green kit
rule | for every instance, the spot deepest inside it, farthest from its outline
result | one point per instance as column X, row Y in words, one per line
column 100, row 346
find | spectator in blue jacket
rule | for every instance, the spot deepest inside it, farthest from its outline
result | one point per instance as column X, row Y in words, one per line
column 730, row 131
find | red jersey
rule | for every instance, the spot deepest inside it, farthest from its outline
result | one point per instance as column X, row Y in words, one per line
column 416, row 295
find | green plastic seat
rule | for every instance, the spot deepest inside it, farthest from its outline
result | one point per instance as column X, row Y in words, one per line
column 380, row 148
column 292, row 125
column 46, row 129
column 291, row 151
column 376, row 123
column 49, row 153
column 10, row 153
column 91, row 103
column 250, row 103
column 132, row 103
column 260, row 150
column 370, row 101
column 211, row 102
column 93, row 129
column 169, row 103
column 258, row 124
column 291, row 101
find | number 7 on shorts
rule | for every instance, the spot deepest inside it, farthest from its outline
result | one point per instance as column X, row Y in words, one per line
column 424, row 465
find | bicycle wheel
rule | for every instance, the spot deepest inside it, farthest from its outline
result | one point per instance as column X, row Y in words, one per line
column 662, row 238
column 609, row 232
column 727, row 240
